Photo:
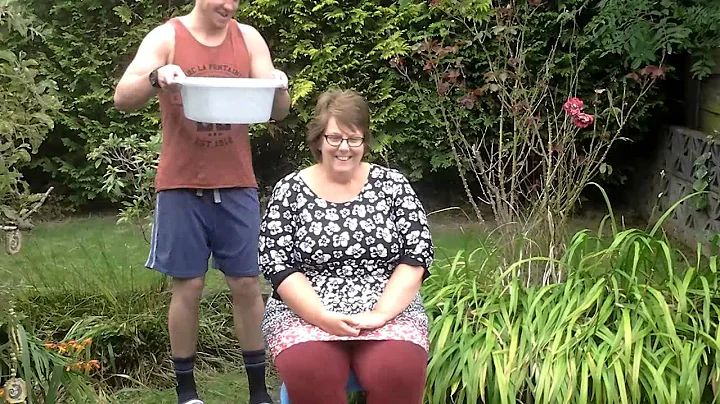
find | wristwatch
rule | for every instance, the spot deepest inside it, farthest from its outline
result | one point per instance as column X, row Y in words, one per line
column 153, row 77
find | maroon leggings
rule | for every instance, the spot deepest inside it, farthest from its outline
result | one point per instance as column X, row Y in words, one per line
column 389, row 371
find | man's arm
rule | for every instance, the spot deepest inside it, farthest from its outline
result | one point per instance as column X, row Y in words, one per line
column 261, row 66
column 134, row 89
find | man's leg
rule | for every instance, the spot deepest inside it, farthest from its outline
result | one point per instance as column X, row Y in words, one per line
column 248, row 309
column 179, row 249
column 234, row 243
column 183, row 329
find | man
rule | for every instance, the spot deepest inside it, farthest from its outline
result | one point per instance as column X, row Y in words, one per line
column 207, row 201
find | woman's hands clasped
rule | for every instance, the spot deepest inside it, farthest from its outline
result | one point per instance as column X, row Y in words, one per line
column 351, row 325
column 338, row 324
column 369, row 320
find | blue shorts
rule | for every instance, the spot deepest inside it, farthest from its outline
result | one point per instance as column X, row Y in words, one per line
column 192, row 225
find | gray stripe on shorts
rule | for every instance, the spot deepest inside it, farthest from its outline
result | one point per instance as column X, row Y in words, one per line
column 150, row 263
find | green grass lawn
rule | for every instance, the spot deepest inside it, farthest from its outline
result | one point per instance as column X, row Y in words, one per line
column 214, row 388
column 92, row 252
column 85, row 253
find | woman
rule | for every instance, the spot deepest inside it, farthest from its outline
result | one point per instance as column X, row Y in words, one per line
column 346, row 246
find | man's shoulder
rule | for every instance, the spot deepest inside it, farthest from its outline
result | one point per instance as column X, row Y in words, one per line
column 247, row 29
column 162, row 33
column 250, row 34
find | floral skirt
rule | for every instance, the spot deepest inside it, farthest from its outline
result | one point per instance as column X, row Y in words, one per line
column 294, row 330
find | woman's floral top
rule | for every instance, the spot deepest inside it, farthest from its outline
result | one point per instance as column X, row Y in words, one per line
column 347, row 251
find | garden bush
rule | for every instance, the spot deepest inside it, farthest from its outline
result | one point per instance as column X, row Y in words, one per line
column 129, row 332
column 28, row 371
column 28, row 104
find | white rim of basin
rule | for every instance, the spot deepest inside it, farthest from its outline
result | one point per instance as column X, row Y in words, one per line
column 226, row 82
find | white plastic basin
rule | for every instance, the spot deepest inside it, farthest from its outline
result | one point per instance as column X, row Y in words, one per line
column 228, row 100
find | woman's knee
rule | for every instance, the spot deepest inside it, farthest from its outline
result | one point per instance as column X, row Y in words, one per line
column 397, row 373
column 394, row 365
column 313, row 365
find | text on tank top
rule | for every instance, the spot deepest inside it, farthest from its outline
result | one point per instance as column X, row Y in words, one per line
column 204, row 155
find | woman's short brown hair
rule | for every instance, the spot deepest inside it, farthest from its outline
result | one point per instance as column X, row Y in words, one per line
column 350, row 110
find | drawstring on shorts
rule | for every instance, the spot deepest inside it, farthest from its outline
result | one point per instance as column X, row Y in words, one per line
column 216, row 195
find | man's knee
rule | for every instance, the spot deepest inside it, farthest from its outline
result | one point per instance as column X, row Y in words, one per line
column 244, row 290
column 188, row 290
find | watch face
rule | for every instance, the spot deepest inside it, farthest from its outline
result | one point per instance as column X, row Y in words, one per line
column 153, row 79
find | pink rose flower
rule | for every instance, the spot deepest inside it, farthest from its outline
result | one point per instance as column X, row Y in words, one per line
column 583, row 120
column 573, row 106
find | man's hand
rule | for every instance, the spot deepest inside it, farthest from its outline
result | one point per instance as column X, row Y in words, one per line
column 280, row 75
column 338, row 324
column 370, row 320
column 168, row 77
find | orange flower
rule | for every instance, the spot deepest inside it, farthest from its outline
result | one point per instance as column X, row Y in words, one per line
column 87, row 341
column 50, row 345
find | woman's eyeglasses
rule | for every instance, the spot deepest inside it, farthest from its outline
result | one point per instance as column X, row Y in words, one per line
column 336, row 140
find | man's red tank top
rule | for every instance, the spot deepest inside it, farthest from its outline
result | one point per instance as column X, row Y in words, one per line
column 204, row 155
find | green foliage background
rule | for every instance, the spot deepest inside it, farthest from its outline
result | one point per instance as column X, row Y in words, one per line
column 28, row 104
column 350, row 44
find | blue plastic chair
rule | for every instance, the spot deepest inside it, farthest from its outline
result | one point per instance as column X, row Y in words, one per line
column 352, row 386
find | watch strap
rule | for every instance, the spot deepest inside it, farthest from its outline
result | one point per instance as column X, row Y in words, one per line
column 153, row 77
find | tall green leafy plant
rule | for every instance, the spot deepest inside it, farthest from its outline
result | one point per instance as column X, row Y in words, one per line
column 27, row 106
column 636, row 321
column 29, row 371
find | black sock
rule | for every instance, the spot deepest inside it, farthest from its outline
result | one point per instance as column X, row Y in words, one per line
column 255, row 369
column 185, row 379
